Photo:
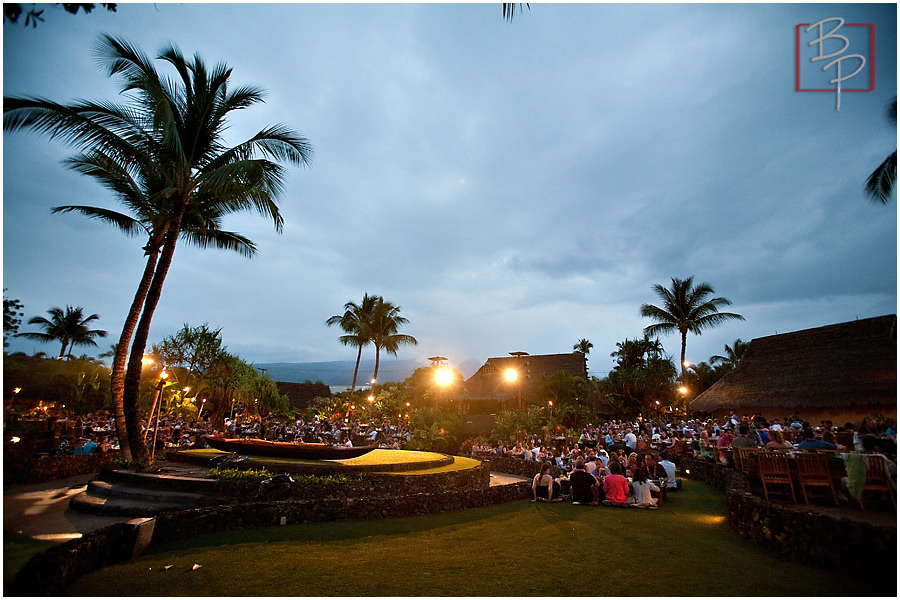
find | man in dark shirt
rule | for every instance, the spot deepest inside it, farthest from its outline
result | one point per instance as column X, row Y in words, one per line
column 585, row 487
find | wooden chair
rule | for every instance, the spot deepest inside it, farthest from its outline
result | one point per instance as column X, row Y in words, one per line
column 745, row 460
column 877, row 478
column 775, row 467
column 813, row 470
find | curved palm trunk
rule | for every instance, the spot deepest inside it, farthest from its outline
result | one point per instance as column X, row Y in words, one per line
column 356, row 370
column 62, row 352
column 140, row 456
column 377, row 360
column 117, row 376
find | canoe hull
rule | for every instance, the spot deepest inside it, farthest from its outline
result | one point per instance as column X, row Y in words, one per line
column 286, row 449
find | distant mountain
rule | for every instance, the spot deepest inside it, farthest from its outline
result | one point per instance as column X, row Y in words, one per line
column 340, row 372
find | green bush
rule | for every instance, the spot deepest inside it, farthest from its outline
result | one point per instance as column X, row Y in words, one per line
column 258, row 474
column 328, row 480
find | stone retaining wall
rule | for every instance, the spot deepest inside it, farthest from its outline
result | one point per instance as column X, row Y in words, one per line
column 48, row 573
column 518, row 466
column 48, row 468
column 795, row 532
column 181, row 524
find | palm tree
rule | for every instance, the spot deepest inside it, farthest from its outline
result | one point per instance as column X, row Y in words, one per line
column 355, row 323
column 880, row 184
column 733, row 355
column 583, row 346
column 173, row 131
column 140, row 193
column 509, row 9
column 686, row 308
column 386, row 320
column 70, row 327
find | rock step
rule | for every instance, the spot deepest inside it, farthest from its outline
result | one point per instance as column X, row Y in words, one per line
column 106, row 489
column 196, row 485
column 118, row 506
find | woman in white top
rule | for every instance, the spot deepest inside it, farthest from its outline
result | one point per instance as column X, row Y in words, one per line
column 642, row 487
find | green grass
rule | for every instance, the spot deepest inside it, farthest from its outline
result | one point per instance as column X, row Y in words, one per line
column 17, row 550
column 515, row 549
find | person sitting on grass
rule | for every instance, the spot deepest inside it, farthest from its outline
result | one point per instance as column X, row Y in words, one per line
column 642, row 490
column 544, row 487
column 585, row 487
column 615, row 486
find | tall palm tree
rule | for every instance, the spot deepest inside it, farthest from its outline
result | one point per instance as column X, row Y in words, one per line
column 733, row 355
column 686, row 308
column 69, row 327
column 880, row 184
column 139, row 192
column 356, row 325
column 172, row 128
column 583, row 346
column 386, row 321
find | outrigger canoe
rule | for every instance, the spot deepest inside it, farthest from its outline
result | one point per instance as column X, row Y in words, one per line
column 286, row 449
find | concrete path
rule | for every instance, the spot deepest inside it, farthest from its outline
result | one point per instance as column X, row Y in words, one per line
column 42, row 510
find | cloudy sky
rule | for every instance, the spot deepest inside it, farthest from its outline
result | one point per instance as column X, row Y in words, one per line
column 511, row 186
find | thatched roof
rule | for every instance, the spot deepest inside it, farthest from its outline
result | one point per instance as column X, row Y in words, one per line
column 488, row 381
column 846, row 365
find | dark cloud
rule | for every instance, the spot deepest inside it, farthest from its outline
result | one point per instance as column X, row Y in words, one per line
column 513, row 186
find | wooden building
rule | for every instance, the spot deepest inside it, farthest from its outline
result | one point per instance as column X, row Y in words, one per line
column 841, row 372
column 488, row 390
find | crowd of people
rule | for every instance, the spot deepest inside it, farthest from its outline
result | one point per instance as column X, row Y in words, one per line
column 97, row 433
column 641, row 453
column 387, row 433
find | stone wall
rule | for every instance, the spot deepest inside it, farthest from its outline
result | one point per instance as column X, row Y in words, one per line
column 48, row 573
column 48, row 468
column 51, row 571
column 795, row 532
column 181, row 524
column 518, row 466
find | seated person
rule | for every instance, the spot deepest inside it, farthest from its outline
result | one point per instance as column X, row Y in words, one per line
column 643, row 488
column 615, row 486
column 544, row 487
column 776, row 442
column 585, row 487
column 669, row 466
column 813, row 443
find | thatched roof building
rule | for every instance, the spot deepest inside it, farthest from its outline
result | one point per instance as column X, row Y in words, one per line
column 840, row 372
column 488, row 390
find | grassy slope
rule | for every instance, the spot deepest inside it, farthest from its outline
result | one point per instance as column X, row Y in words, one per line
column 516, row 549
column 17, row 550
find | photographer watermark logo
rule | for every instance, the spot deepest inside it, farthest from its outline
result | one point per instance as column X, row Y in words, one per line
column 830, row 52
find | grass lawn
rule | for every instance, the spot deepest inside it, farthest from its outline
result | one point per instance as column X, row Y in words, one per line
column 17, row 550
column 515, row 549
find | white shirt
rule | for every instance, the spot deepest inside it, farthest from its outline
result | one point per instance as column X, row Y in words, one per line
column 669, row 466
column 631, row 440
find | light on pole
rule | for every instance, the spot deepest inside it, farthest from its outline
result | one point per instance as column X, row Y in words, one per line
column 162, row 382
column 514, row 373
